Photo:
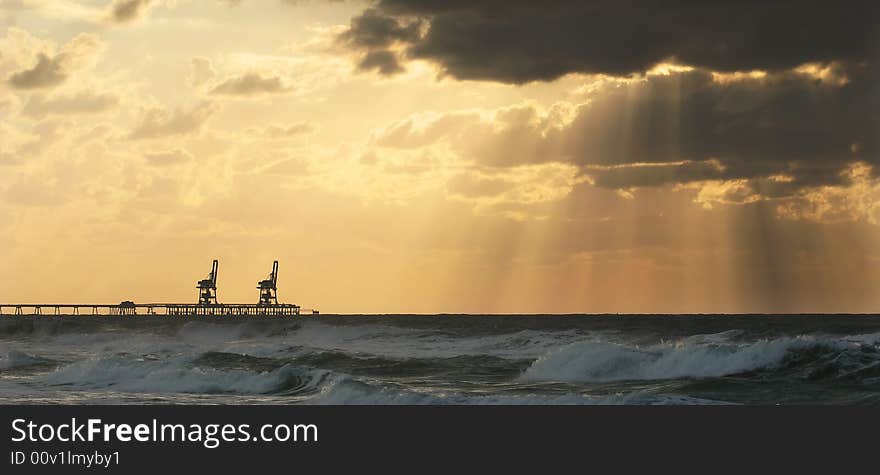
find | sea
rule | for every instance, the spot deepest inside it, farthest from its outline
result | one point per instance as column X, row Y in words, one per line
column 442, row 359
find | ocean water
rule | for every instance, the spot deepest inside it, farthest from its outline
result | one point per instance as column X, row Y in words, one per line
column 442, row 359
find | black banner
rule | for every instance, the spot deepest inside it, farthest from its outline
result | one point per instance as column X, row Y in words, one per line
column 235, row 439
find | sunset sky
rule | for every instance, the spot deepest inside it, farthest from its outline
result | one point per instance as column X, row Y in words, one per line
column 443, row 156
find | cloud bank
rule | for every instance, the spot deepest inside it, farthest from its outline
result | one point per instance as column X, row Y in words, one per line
column 517, row 41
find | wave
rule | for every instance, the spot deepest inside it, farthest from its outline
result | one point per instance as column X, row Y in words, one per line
column 347, row 391
column 396, row 342
column 179, row 375
column 293, row 384
column 17, row 359
column 202, row 331
column 704, row 356
column 75, row 338
column 464, row 367
column 381, row 362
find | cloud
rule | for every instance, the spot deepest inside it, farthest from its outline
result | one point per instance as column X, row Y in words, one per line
column 518, row 41
column 425, row 129
column 22, row 192
column 725, row 192
column 9, row 9
column 9, row 159
column 516, row 193
column 47, row 72
column 59, row 10
column 383, row 61
column 655, row 174
column 679, row 128
column 375, row 34
column 125, row 11
column 279, row 131
column 291, row 166
column 52, row 70
column 467, row 185
column 373, row 29
column 168, row 157
column 251, row 84
column 85, row 102
column 201, row 71
column 26, row 144
column 158, row 122
column 858, row 200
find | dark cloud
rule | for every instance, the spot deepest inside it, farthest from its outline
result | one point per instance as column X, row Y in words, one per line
column 519, row 41
column 383, row 61
column 124, row 11
column 251, row 84
column 814, row 114
column 52, row 70
column 752, row 126
column 787, row 123
column 375, row 33
column 656, row 174
column 372, row 29
column 682, row 128
column 47, row 72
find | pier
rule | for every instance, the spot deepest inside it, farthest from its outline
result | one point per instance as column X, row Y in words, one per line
column 207, row 304
column 172, row 309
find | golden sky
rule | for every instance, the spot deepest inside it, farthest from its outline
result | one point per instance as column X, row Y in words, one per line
column 396, row 158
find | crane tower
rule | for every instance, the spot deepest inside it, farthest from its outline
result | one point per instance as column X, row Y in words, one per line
column 208, row 287
column 269, row 287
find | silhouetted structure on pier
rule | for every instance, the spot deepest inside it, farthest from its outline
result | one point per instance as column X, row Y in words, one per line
column 208, row 287
column 207, row 305
column 269, row 287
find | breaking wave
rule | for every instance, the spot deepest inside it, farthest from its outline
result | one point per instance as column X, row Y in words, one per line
column 123, row 374
column 706, row 356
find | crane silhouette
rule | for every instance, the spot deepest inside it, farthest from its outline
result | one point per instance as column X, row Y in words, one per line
column 208, row 287
column 269, row 287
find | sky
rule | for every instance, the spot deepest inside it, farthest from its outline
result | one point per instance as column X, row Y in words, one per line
column 428, row 156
